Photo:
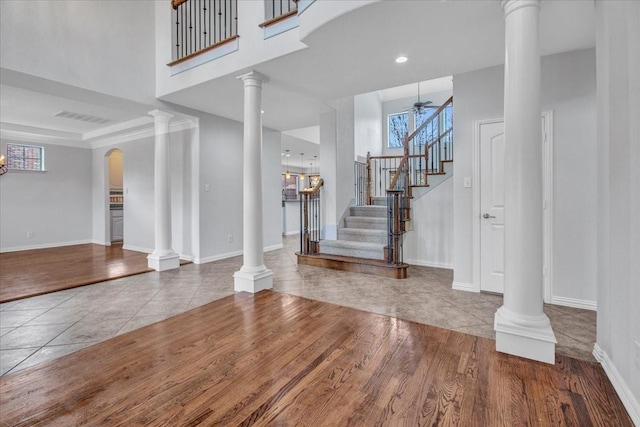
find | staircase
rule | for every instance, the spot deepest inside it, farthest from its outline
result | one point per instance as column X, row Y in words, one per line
column 364, row 234
column 370, row 238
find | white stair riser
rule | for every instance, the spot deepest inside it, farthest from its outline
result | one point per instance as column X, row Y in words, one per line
column 356, row 253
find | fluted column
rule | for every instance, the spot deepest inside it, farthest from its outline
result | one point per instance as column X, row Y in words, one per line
column 253, row 276
column 163, row 256
column 521, row 326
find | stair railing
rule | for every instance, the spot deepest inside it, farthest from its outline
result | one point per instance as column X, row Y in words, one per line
column 426, row 149
column 310, row 219
column 428, row 142
column 201, row 25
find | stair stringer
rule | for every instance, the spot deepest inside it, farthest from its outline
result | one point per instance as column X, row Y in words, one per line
column 433, row 181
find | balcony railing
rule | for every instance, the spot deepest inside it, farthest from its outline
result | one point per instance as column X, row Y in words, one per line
column 275, row 9
column 200, row 25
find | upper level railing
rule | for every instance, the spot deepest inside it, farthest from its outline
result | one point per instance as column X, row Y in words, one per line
column 200, row 25
column 278, row 9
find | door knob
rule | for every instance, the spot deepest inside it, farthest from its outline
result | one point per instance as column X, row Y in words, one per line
column 487, row 216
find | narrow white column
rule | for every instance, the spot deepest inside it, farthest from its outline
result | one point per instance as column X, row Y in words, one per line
column 163, row 256
column 521, row 326
column 253, row 276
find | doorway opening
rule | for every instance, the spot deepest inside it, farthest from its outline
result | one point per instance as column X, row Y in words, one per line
column 115, row 220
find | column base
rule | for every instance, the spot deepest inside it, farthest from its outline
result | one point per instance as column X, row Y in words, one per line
column 530, row 337
column 163, row 262
column 252, row 279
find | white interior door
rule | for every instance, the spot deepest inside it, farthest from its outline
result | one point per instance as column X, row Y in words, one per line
column 492, row 207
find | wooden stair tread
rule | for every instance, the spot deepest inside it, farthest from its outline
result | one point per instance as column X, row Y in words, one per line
column 353, row 264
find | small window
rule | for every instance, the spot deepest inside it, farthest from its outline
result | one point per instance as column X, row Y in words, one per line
column 25, row 157
column 398, row 125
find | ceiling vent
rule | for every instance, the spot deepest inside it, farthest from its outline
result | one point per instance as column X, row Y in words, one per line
column 82, row 117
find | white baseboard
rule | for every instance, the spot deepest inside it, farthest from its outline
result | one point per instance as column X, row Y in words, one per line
column 629, row 401
column 231, row 255
column 467, row 287
column 273, row 247
column 575, row 303
column 429, row 263
column 45, row 246
column 137, row 249
column 291, row 233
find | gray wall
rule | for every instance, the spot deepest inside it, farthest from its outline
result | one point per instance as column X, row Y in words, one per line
column 568, row 89
column 618, row 226
column 55, row 205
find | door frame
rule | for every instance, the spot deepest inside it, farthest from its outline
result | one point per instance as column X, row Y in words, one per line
column 547, row 188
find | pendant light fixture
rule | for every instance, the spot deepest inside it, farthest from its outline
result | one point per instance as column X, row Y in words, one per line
column 302, row 166
column 287, row 174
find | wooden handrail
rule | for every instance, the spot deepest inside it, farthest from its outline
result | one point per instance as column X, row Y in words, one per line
column 313, row 190
column 176, row 3
column 277, row 19
column 394, row 181
column 422, row 126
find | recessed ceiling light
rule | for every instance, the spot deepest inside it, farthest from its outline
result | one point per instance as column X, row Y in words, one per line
column 262, row 111
column 401, row 59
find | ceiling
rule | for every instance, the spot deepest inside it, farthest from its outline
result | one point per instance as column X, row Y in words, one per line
column 350, row 55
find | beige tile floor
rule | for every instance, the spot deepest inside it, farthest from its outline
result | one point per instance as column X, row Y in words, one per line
column 42, row 328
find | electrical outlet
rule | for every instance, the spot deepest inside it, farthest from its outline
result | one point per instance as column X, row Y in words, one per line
column 230, row 238
column 637, row 354
column 206, row 187
column 30, row 234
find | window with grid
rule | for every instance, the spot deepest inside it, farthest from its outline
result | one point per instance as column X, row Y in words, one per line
column 25, row 157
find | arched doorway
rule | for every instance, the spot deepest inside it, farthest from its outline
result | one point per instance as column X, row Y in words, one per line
column 115, row 222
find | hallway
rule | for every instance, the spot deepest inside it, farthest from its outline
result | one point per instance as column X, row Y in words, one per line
column 46, row 327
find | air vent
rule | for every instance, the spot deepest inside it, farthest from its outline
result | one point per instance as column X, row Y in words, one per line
column 82, row 117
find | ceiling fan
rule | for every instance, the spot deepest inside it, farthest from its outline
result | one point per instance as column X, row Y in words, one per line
column 419, row 106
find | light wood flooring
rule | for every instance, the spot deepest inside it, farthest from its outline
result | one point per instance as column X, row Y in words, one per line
column 277, row 359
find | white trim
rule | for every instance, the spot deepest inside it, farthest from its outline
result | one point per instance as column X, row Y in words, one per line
column 45, row 246
column 137, row 249
column 624, row 392
column 119, row 127
column 575, row 303
column 273, row 247
column 303, row 5
column 547, row 194
column 423, row 263
column 291, row 233
column 217, row 257
column 283, row 26
column 232, row 254
column 547, row 189
column 467, row 287
column 203, row 58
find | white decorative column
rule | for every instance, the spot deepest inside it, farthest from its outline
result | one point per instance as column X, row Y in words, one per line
column 163, row 256
column 521, row 326
column 253, row 276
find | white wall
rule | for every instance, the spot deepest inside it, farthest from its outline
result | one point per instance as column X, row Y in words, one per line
column 55, row 205
column 83, row 44
column 618, row 220
column 368, row 124
column 431, row 241
column 568, row 88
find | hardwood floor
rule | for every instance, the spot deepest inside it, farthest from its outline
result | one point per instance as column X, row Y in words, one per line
column 277, row 359
column 40, row 271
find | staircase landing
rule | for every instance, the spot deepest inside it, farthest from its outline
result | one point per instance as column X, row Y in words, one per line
column 355, row 265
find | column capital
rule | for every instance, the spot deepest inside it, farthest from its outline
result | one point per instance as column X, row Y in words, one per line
column 253, row 77
column 160, row 116
column 509, row 6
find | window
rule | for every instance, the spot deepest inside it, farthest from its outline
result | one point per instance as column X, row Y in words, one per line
column 25, row 157
column 398, row 126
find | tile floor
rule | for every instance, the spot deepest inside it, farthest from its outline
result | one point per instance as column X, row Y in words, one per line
column 41, row 328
